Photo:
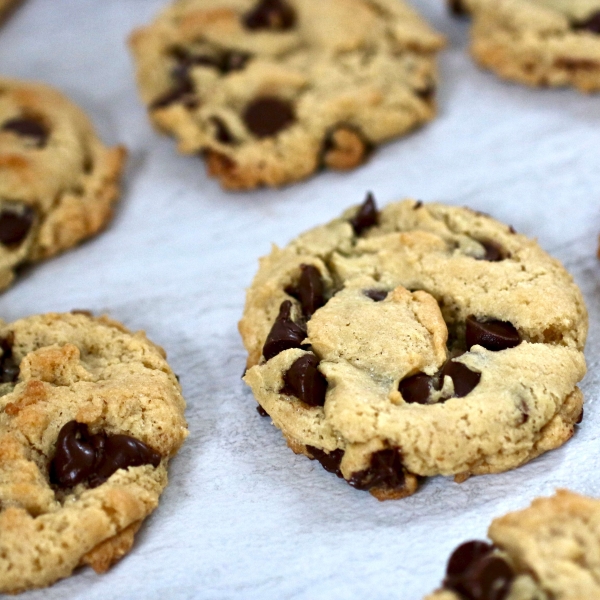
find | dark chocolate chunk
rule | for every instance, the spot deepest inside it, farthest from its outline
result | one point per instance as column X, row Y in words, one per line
column 494, row 252
column 284, row 334
column 75, row 456
column 14, row 226
column 366, row 216
column 81, row 457
column 493, row 335
column 309, row 290
column 304, row 381
column 592, row 23
column 464, row 557
column 268, row 115
column 27, row 128
column 121, row 452
column 463, row 378
column 385, row 471
column 222, row 133
column 489, row 578
column 9, row 369
column 182, row 92
column 427, row 93
column 376, row 295
column 276, row 15
column 417, row 388
column 261, row 411
column 329, row 460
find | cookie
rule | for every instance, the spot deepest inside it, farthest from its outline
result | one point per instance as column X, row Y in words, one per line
column 548, row 551
column 58, row 182
column 537, row 42
column 414, row 341
column 270, row 91
column 90, row 415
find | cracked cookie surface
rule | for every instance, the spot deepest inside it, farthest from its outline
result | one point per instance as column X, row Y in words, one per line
column 538, row 42
column 415, row 341
column 58, row 182
column 90, row 415
column 549, row 551
column 273, row 90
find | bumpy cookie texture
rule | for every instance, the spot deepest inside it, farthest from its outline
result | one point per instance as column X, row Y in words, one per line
column 58, row 182
column 90, row 415
column 537, row 42
column 415, row 341
column 272, row 90
column 549, row 551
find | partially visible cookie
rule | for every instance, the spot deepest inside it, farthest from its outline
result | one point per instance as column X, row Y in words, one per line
column 6, row 6
column 537, row 42
column 90, row 415
column 272, row 90
column 549, row 551
column 58, row 182
column 414, row 341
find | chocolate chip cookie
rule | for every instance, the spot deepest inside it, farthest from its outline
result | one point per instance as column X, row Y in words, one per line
column 414, row 341
column 58, row 182
column 537, row 42
column 269, row 91
column 90, row 415
column 545, row 552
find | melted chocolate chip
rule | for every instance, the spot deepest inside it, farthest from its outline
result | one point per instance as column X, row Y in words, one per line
column 14, row 226
column 464, row 557
column 9, row 369
column 385, row 471
column 27, row 128
column 268, row 115
column 182, row 92
column 81, row 457
column 463, row 378
column 222, row 133
column 121, row 452
column 493, row 335
column 261, row 411
column 276, row 15
column 376, row 295
column 416, row 389
column 329, row 460
column 489, row 578
column 366, row 216
column 494, row 252
column 284, row 334
column 309, row 290
column 592, row 23
column 304, row 381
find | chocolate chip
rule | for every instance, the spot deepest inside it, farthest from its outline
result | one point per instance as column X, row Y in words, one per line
column 309, row 290
column 427, row 93
column 463, row 378
column 418, row 204
column 417, row 388
column 233, row 61
column 489, row 578
column 276, row 15
column 81, row 457
column 366, row 216
column 75, row 456
column 579, row 418
column 261, row 411
column 457, row 8
column 376, row 295
column 512, row 229
column 329, row 460
column 268, row 115
column 385, row 471
column 221, row 131
column 28, row 128
column 494, row 252
column 14, row 226
column 284, row 334
column 592, row 23
column 304, row 381
column 9, row 369
column 182, row 92
column 493, row 335
column 464, row 557
column 121, row 452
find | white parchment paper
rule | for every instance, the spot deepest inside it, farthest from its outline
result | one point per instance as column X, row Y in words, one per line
column 243, row 517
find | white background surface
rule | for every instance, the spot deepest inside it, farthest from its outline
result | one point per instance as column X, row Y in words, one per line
column 243, row 517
